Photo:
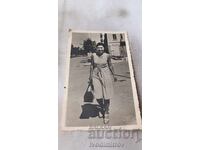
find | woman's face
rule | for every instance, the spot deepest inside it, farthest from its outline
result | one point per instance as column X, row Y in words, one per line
column 100, row 50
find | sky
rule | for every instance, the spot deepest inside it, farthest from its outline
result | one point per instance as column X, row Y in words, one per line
column 78, row 38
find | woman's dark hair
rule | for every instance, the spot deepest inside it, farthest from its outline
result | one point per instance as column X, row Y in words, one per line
column 100, row 44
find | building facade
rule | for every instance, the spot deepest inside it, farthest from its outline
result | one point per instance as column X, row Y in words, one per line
column 116, row 45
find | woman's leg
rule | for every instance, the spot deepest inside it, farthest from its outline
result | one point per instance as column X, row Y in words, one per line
column 102, row 107
column 106, row 106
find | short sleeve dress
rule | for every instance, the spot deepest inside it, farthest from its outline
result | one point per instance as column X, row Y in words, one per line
column 102, row 77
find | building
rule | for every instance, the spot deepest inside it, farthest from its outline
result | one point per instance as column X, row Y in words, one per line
column 116, row 45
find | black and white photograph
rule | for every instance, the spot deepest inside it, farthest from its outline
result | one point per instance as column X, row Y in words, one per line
column 100, row 87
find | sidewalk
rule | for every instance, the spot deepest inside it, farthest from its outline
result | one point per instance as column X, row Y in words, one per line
column 121, row 108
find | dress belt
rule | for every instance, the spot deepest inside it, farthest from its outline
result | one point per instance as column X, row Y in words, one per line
column 102, row 66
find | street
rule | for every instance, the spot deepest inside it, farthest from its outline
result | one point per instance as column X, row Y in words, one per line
column 121, row 108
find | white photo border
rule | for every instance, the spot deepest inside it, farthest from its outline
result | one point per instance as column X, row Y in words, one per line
column 138, row 125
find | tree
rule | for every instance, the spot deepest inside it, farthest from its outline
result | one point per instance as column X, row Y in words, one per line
column 89, row 45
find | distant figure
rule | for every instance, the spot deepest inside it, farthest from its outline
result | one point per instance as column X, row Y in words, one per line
column 89, row 55
column 102, row 75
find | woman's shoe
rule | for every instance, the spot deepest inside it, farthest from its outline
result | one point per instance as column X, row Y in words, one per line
column 101, row 112
column 106, row 119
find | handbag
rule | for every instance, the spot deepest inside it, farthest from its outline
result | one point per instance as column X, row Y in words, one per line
column 88, row 96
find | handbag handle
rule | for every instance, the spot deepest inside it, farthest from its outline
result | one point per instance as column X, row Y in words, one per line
column 89, row 84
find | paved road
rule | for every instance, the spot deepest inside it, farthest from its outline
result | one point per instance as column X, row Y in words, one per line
column 121, row 108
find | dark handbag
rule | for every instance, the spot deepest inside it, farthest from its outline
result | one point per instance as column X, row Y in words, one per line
column 88, row 96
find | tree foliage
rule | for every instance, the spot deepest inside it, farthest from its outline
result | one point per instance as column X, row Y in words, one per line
column 89, row 45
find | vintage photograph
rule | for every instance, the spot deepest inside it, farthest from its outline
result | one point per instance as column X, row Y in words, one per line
column 100, row 88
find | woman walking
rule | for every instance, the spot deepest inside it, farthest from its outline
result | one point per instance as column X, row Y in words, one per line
column 102, row 76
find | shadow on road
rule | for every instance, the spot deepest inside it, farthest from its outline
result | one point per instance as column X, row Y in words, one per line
column 121, row 80
column 84, row 61
column 89, row 110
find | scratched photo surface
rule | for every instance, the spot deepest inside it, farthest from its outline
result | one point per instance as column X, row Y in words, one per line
column 121, row 104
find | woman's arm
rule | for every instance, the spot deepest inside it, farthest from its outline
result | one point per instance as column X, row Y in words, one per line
column 111, row 68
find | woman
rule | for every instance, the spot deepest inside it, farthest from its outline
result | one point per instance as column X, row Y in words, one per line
column 102, row 75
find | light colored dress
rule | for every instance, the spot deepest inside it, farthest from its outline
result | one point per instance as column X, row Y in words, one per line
column 102, row 77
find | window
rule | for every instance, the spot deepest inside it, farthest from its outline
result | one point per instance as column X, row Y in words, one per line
column 114, row 37
column 121, row 36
